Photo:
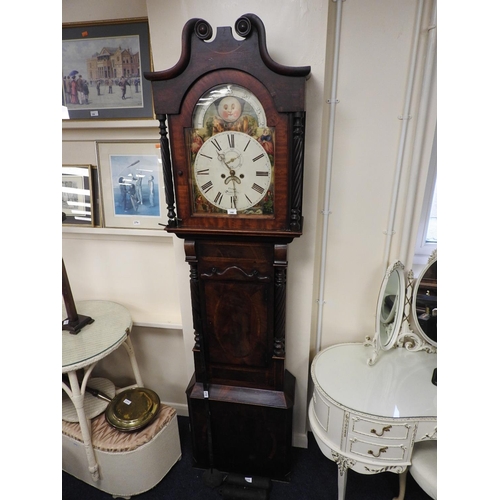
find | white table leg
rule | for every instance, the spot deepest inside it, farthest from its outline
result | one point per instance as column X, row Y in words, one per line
column 342, row 482
column 135, row 367
column 402, row 485
column 78, row 398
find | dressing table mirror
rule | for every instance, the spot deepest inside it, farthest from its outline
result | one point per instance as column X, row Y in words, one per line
column 406, row 312
column 424, row 303
column 373, row 401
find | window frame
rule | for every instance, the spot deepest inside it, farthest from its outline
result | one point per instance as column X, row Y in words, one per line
column 423, row 248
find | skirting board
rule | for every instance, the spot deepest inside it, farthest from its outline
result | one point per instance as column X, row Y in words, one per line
column 182, row 409
column 299, row 440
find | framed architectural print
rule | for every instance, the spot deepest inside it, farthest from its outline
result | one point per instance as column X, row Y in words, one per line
column 79, row 203
column 102, row 70
column 132, row 186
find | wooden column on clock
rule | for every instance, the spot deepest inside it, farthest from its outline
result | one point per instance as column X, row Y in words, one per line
column 232, row 154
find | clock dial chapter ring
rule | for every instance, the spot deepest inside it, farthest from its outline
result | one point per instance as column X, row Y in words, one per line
column 232, row 171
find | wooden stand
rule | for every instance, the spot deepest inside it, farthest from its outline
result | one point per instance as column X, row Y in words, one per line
column 74, row 322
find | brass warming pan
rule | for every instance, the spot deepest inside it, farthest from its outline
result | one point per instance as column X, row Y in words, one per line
column 131, row 409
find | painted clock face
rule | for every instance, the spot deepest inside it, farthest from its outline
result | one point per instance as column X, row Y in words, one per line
column 233, row 174
column 232, row 154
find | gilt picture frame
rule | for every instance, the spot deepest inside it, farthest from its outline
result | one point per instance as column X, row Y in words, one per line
column 102, row 70
column 132, row 187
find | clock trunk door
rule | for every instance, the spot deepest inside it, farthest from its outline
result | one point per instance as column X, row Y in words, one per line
column 237, row 297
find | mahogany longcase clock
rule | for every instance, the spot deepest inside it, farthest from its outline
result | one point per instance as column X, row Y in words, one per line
column 232, row 153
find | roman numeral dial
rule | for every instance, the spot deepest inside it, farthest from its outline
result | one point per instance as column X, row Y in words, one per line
column 233, row 173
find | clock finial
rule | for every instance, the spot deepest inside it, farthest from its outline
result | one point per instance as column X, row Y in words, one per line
column 243, row 26
column 203, row 30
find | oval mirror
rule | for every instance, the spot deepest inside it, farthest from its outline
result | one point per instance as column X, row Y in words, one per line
column 390, row 306
column 424, row 302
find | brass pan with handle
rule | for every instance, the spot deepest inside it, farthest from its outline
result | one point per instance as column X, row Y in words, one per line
column 131, row 409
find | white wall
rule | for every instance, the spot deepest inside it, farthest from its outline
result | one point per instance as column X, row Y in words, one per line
column 375, row 48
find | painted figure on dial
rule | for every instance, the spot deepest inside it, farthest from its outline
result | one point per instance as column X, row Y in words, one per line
column 230, row 116
column 229, row 109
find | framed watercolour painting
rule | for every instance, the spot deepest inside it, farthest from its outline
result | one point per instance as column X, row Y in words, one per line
column 131, row 177
column 102, row 70
column 79, row 204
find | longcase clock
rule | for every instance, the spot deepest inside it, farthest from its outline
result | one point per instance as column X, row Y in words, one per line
column 232, row 152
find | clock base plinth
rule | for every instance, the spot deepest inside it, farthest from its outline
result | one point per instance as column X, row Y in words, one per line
column 251, row 428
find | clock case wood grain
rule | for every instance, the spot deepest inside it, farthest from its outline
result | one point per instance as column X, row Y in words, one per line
column 237, row 263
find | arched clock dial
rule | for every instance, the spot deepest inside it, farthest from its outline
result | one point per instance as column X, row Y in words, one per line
column 234, row 98
column 233, row 171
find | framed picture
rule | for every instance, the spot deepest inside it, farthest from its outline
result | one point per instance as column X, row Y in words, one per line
column 132, row 186
column 102, row 70
column 79, row 203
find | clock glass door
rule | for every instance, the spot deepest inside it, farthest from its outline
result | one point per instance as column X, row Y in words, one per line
column 232, row 153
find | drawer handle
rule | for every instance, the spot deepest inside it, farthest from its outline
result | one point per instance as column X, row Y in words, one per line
column 382, row 450
column 387, row 428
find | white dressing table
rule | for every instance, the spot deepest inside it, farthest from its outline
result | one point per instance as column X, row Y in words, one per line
column 372, row 402
column 367, row 418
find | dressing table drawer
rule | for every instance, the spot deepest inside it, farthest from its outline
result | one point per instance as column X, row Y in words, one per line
column 426, row 430
column 378, row 451
column 374, row 429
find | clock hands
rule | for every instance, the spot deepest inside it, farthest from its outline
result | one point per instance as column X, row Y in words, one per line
column 222, row 158
column 235, row 197
column 232, row 174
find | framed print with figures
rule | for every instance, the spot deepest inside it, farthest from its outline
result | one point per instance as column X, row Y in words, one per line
column 131, row 177
column 102, row 70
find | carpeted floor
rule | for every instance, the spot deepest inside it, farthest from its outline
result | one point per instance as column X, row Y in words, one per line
column 314, row 477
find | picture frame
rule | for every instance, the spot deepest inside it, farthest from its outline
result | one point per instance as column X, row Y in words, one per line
column 80, row 206
column 132, row 186
column 103, row 64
